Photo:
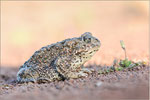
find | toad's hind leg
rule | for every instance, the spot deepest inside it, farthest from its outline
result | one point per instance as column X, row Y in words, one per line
column 26, row 79
column 24, row 75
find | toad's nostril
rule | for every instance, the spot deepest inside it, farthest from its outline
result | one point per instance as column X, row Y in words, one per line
column 97, row 40
column 89, row 39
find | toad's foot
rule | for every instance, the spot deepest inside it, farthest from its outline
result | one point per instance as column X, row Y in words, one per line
column 87, row 70
column 75, row 75
column 82, row 74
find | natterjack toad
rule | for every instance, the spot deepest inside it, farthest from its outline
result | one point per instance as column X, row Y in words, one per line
column 59, row 61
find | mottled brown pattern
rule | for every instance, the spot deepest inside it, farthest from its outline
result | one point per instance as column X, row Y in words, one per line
column 60, row 60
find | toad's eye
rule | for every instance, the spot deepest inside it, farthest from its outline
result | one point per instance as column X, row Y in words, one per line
column 87, row 39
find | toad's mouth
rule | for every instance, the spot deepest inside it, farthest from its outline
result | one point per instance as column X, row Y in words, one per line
column 96, row 50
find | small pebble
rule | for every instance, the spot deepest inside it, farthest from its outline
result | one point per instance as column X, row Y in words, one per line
column 139, row 68
column 6, row 87
column 98, row 84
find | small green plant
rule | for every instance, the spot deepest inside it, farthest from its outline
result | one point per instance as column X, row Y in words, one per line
column 123, row 47
column 118, row 68
column 123, row 64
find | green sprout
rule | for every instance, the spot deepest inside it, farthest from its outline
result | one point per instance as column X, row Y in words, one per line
column 125, row 62
column 123, row 47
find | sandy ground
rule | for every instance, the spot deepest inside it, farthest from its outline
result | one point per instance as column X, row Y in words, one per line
column 116, row 85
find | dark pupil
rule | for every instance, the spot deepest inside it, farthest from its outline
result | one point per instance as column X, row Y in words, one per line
column 87, row 39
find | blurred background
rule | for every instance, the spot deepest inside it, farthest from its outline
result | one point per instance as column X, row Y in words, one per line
column 26, row 26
